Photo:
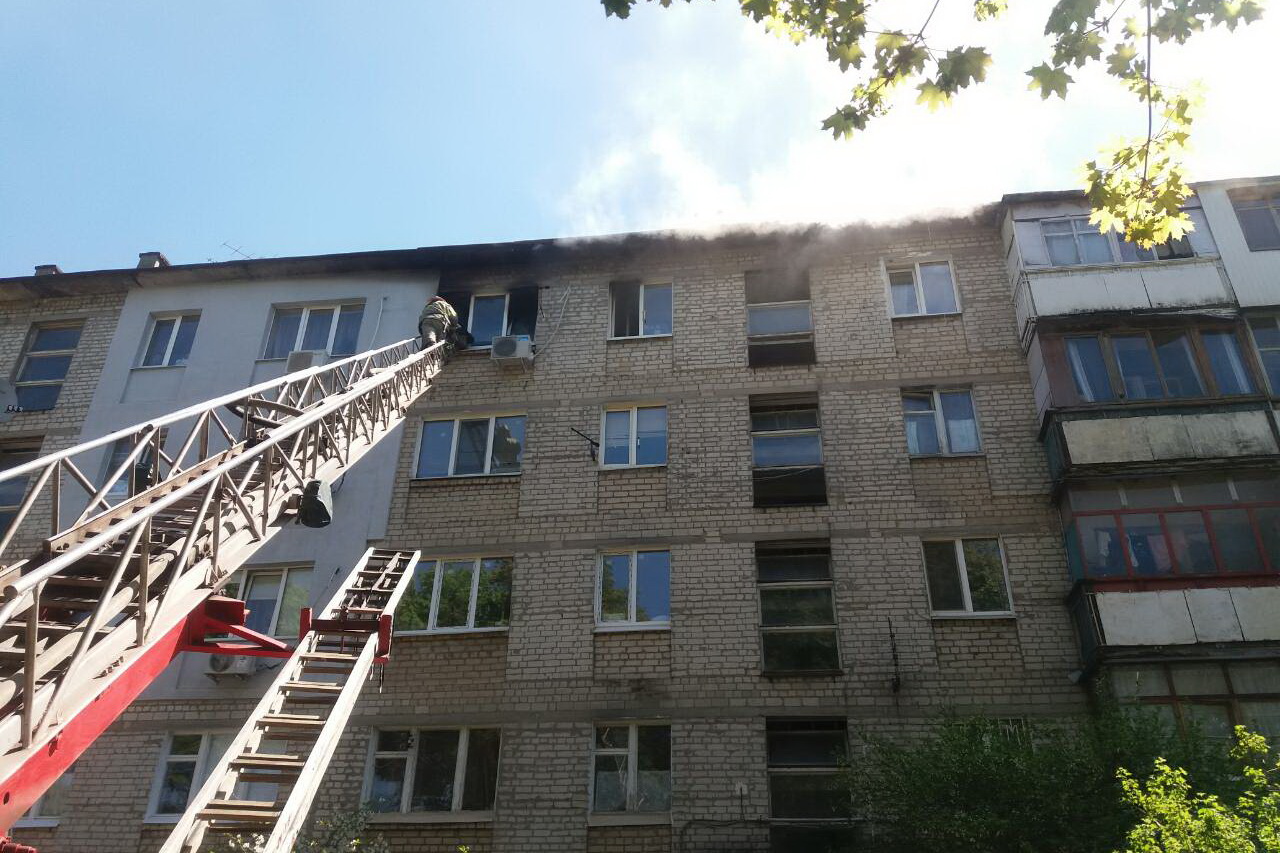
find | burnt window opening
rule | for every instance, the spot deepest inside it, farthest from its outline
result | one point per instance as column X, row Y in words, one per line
column 779, row 318
column 786, row 449
column 797, row 606
column 640, row 309
column 489, row 315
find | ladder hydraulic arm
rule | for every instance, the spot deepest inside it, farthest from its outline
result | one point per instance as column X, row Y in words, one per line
column 97, row 594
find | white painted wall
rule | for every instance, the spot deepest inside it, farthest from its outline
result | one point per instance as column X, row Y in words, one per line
column 1254, row 275
column 234, row 320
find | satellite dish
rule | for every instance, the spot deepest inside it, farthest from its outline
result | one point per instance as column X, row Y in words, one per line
column 8, row 401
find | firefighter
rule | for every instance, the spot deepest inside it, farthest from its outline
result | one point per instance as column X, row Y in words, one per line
column 437, row 322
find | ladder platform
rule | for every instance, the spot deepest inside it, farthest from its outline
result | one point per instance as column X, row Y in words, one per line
column 328, row 656
column 312, row 687
column 298, row 723
column 264, row 761
column 240, row 810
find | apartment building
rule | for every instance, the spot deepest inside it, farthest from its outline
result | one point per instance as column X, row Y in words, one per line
column 741, row 501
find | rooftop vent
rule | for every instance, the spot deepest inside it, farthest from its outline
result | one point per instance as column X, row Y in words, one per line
column 48, row 269
column 151, row 260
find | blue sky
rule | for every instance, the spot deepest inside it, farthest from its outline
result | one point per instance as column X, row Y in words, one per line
column 324, row 126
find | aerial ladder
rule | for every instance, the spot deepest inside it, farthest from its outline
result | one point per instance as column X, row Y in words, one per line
column 99, row 595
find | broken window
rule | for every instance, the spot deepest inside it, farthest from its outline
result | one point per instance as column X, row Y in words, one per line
column 809, row 806
column 966, row 576
column 1266, row 337
column 919, row 289
column 940, row 422
column 433, row 770
column 634, row 436
column 1186, row 525
column 1258, row 211
column 634, row 588
column 490, row 315
column 44, row 365
column 786, row 448
column 631, row 768
column 468, row 447
column 640, row 310
column 797, row 610
column 779, row 320
column 457, row 595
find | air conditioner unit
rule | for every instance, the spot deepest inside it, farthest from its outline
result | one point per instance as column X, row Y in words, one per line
column 240, row 665
column 510, row 349
column 301, row 359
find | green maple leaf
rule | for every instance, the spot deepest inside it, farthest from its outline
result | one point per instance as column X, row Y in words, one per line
column 986, row 9
column 1049, row 80
column 1120, row 62
column 964, row 65
column 932, row 95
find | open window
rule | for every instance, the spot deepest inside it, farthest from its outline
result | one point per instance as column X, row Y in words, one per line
column 487, row 315
column 786, row 449
column 779, row 321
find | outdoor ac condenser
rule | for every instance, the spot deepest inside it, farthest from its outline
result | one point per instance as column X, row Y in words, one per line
column 512, row 349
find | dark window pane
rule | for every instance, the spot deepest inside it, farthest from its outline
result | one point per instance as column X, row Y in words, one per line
column 415, row 608
column 1266, row 331
column 182, row 343
column 773, row 420
column 394, row 741
column 387, row 787
column 651, row 435
column 1153, row 492
column 1095, row 248
column 985, row 570
column 1148, row 549
column 348, row 332
column 817, row 797
column 800, row 650
column 1271, row 364
column 522, row 311
column 481, row 781
column 55, row 339
column 493, row 597
column 473, row 436
column 801, row 607
column 944, row 576
column 319, row 324
column 1229, row 371
column 962, row 423
column 939, row 290
column 1137, row 368
column 806, row 743
column 1257, row 488
column 789, row 486
column 175, row 787
column 1178, row 365
column 610, row 789
column 1204, row 490
column 1236, row 542
column 437, row 443
column 1259, row 226
column 1100, row 542
column 1089, row 370
column 1190, row 542
column 626, row 309
column 161, row 331
column 262, row 590
column 774, row 451
column 45, row 368
column 653, row 768
column 617, row 438
column 613, row 737
column 787, row 319
column 37, row 398
column 653, row 586
column 455, row 594
column 922, row 430
column 1062, row 249
column 1268, row 519
column 795, row 563
column 434, row 771
column 615, row 586
column 487, row 318
column 902, row 285
column 508, row 444
column 791, row 838
column 1090, row 496
column 284, row 332
column 657, row 309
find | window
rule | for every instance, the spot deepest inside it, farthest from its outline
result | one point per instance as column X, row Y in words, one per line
column 634, row 588
column 14, row 490
column 273, row 598
column 457, row 595
column 1074, row 241
column 640, row 310
column 940, row 422
column 488, row 318
column 1266, row 337
column 797, row 613
column 1162, row 527
column 805, row 759
column 927, row 288
column 966, row 576
column 334, row 329
column 489, row 315
column 779, row 321
column 169, row 340
column 1159, row 364
column 468, row 447
column 185, row 765
column 786, row 448
column 1258, row 210
column 634, row 437
column 52, row 805
column 1171, row 249
column 44, row 366
column 631, row 768
column 138, row 477
column 433, row 770
column 1215, row 697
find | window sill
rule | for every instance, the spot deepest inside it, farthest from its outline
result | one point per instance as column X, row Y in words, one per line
column 162, row 818
column 611, row 339
column 462, row 478
column 632, row 467
column 151, row 367
column 629, row 819
column 977, row 454
column 1004, row 615
column 452, row 632
column 632, row 627
column 37, row 823
column 925, row 316
column 802, row 673
column 431, row 817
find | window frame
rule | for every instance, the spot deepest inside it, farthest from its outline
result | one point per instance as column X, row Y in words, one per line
column 835, row 769
column 177, row 317
column 940, row 422
column 888, row 267
column 828, row 584
column 632, row 437
column 27, row 354
column 455, row 813
column 630, row 814
column 630, row 623
column 963, row 571
column 241, row 578
column 506, row 315
column 1177, row 700
column 31, row 448
column 1258, row 350
column 1264, row 196
column 306, row 309
column 453, row 447
column 640, row 313
column 1114, row 244
column 198, row 773
column 472, row 601
column 34, row 817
